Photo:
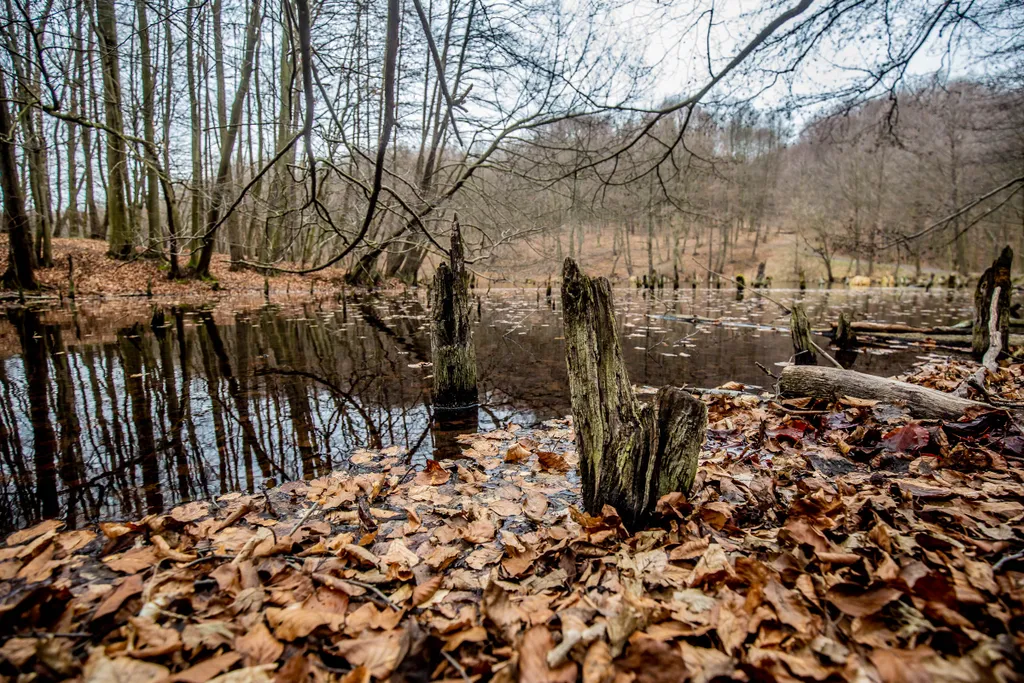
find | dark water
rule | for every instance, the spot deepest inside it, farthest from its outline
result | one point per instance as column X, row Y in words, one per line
column 114, row 410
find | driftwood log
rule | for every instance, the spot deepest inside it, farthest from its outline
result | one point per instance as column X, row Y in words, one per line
column 631, row 454
column 451, row 336
column 832, row 383
column 994, row 283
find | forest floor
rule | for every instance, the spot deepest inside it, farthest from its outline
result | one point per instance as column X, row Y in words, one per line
column 96, row 273
column 822, row 541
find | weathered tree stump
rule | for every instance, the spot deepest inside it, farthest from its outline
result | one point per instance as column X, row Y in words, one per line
column 759, row 279
column 800, row 331
column 631, row 454
column 846, row 336
column 451, row 337
column 994, row 282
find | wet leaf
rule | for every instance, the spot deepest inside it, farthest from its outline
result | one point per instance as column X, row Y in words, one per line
column 433, row 475
column 517, row 453
column 909, row 438
column 552, row 462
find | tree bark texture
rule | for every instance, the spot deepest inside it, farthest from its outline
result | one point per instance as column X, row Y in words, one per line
column 451, row 336
column 631, row 454
column 830, row 383
column 994, row 282
column 119, row 231
column 846, row 336
column 800, row 331
column 21, row 264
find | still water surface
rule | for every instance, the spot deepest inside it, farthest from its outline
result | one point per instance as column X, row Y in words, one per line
column 120, row 409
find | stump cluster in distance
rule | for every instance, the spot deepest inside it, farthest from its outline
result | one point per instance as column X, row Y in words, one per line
column 451, row 335
column 630, row 453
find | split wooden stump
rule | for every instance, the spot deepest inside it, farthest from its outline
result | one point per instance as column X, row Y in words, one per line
column 992, row 300
column 631, row 454
column 451, row 335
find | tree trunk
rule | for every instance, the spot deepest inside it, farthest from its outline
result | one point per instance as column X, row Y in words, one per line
column 630, row 454
column 20, row 273
column 228, row 143
column 832, row 383
column 39, row 182
column 451, row 336
column 995, row 279
column 119, row 231
column 149, row 128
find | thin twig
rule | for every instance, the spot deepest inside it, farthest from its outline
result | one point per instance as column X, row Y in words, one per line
column 825, row 353
column 371, row 587
column 312, row 508
column 767, row 371
column 1009, row 558
column 458, row 667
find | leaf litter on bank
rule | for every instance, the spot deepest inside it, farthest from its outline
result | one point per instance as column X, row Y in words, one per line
column 904, row 564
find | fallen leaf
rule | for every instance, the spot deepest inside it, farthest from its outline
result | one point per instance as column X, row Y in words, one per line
column 552, row 462
column 433, row 475
column 259, row 645
column 855, row 601
column 517, row 453
column 533, row 659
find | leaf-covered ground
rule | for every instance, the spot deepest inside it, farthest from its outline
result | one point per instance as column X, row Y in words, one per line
column 842, row 542
column 97, row 274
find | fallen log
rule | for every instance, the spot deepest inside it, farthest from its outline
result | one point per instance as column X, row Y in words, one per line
column 957, row 341
column 718, row 322
column 830, row 383
column 630, row 453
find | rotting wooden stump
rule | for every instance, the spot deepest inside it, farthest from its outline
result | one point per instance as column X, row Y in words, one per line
column 631, row 454
column 846, row 336
column 993, row 282
column 800, row 331
column 451, row 336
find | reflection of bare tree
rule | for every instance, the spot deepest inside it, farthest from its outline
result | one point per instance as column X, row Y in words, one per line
column 175, row 416
column 250, row 440
column 130, row 340
column 44, row 439
column 72, row 467
column 375, row 441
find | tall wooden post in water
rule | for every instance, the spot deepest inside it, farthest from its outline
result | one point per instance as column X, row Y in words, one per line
column 631, row 454
column 451, row 337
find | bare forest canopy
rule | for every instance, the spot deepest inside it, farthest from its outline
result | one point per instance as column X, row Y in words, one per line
column 302, row 135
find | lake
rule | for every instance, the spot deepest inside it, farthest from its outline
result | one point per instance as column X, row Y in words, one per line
column 120, row 408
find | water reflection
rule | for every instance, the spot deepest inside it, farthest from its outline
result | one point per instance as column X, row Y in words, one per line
column 114, row 410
